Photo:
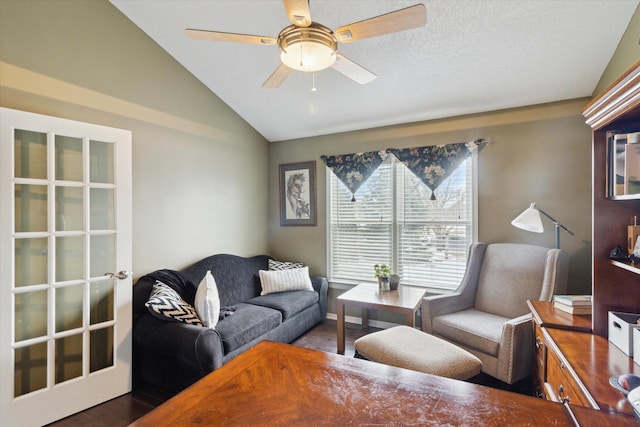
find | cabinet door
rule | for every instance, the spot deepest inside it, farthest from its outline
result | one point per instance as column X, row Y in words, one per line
column 65, row 221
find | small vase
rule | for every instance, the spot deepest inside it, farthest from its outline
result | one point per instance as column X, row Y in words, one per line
column 394, row 282
column 383, row 282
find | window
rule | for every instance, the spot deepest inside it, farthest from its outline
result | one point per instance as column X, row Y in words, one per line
column 394, row 221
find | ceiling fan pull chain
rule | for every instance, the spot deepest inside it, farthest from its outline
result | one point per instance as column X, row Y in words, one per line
column 313, row 80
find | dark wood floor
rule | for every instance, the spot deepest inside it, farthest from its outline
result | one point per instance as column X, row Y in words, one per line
column 125, row 409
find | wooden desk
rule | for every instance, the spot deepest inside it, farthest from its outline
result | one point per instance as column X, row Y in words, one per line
column 405, row 300
column 580, row 362
column 276, row 384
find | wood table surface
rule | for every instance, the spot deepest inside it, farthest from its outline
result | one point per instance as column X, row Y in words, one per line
column 275, row 384
column 367, row 296
column 549, row 317
column 594, row 359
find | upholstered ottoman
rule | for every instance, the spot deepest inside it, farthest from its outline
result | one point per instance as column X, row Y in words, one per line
column 409, row 348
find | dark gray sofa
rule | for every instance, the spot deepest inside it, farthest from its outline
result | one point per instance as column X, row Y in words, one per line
column 173, row 355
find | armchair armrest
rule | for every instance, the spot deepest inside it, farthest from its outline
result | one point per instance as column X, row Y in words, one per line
column 515, row 352
column 321, row 285
column 464, row 296
column 437, row 305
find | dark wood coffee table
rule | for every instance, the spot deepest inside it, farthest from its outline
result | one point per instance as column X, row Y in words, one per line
column 367, row 296
column 276, row 384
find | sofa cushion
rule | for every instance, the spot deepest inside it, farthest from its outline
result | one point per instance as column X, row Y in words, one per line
column 165, row 303
column 249, row 322
column 475, row 328
column 207, row 301
column 295, row 279
column 287, row 303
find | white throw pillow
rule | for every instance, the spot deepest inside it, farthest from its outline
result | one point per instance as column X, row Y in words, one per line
column 295, row 279
column 207, row 301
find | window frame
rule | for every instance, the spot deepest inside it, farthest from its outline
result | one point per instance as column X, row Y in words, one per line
column 340, row 282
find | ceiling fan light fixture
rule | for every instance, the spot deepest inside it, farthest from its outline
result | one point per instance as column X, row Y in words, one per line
column 307, row 49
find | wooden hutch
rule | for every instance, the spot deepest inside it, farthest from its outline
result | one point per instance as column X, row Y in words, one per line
column 616, row 285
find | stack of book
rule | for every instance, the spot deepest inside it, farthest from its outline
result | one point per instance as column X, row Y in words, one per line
column 573, row 304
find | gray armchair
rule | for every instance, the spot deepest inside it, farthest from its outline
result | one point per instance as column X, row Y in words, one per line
column 487, row 315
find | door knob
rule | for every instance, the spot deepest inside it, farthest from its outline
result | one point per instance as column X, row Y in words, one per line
column 121, row 275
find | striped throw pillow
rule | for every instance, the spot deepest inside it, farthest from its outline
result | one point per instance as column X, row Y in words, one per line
column 294, row 279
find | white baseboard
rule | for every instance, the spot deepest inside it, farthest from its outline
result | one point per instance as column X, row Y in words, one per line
column 358, row 321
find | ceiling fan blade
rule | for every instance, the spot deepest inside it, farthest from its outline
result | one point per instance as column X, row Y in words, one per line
column 399, row 20
column 279, row 75
column 217, row 36
column 352, row 70
column 298, row 12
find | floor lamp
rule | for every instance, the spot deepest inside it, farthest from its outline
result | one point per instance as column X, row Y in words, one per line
column 530, row 220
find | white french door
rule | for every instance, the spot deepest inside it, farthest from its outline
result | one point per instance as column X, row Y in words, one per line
column 65, row 248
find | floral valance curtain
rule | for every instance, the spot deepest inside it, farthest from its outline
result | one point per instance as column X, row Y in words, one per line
column 354, row 169
column 433, row 164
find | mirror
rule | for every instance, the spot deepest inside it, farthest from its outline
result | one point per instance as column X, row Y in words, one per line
column 623, row 175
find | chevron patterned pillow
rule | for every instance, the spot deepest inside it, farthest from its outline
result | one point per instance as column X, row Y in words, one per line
column 165, row 303
column 283, row 265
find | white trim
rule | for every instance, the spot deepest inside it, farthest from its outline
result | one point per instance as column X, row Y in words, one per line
column 358, row 321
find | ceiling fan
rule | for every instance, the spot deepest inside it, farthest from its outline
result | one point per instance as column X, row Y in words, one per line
column 308, row 46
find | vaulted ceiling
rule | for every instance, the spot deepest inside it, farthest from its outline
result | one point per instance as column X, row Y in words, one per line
column 471, row 56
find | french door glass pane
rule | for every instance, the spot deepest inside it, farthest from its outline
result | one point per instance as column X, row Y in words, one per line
column 69, row 258
column 69, row 216
column 101, row 348
column 31, row 261
column 102, row 300
column 102, row 255
column 30, row 369
column 101, row 169
column 68, row 156
column 30, row 315
column 30, row 208
column 102, row 205
column 68, row 362
column 30, row 154
column 68, row 303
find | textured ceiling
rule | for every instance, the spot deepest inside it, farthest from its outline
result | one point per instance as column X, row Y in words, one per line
column 472, row 56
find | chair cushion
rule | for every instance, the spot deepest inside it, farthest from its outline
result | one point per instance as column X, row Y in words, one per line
column 288, row 303
column 472, row 328
column 510, row 275
column 409, row 348
column 248, row 322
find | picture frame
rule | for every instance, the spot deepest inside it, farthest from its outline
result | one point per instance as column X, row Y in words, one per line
column 298, row 193
column 623, row 165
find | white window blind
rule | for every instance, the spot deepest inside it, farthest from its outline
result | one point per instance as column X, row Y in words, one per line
column 394, row 221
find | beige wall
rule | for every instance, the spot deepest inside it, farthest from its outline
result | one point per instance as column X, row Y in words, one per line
column 627, row 53
column 540, row 154
column 199, row 170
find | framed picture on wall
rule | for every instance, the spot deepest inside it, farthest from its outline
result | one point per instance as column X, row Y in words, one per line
column 298, row 193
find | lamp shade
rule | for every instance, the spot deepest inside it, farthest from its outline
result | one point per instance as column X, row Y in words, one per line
column 529, row 220
column 308, row 56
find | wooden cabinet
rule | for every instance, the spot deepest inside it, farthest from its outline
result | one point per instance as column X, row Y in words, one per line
column 616, row 285
column 562, row 383
column 570, row 362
